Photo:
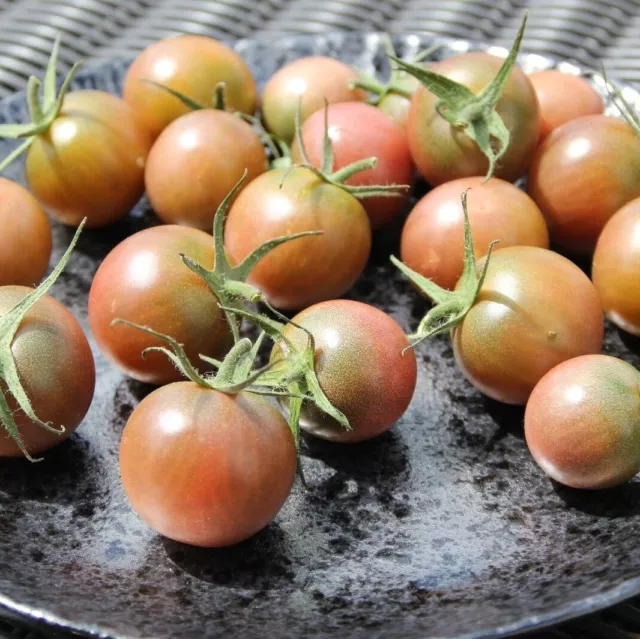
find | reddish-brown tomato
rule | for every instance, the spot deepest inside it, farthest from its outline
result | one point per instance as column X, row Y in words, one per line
column 582, row 422
column 583, row 173
column 432, row 239
column 206, row 468
column 192, row 65
column 143, row 280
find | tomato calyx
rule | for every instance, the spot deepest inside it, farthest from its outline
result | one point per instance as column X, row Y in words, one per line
column 475, row 114
column 450, row 306
column 9, row 379
column 626, row 110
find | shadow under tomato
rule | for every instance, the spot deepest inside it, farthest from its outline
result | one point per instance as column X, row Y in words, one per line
column 632, row 342
column 509, row 418
column 611, row 503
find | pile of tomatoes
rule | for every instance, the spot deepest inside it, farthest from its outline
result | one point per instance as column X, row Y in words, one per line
column 293, row 198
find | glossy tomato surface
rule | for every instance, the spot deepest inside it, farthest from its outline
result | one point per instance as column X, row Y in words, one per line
column 583, row 173
column 443, row 153
column 582, row 422
column 56, row 368
column 535, row 310
column 310, row 269
column 616, row 266
column 206, row 468
column 196, row 161
column 433, row 236
column 360, row 366
column 90, row 163
column 144, row 280
column 192, row 65
column 563, row 97
column 25, row 236
column 309, row 81
column 358, row 131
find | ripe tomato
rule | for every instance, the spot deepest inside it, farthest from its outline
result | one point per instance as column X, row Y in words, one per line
column 192, row 65
column 196, row 161
column 143, row 280
column 206, row 468
column 56, row 369
column 358, row 131
column 535, row 310
column 309, row 269
column 360, row 366
column 616, row 266
column 584, row 172
column 90, row 162
column 433, row 236
column 582, row 422
column 25, row 236
column 563, row 97
column 313, row 80
column 442, row 153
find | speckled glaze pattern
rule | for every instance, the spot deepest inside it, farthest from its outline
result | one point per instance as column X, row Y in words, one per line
column 442, row 527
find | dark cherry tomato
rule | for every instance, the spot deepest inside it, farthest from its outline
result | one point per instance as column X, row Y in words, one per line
column 443, row 153
column 313, row 80
column 90, row 162
column 616, row 268
column 583, row 173
column 192, row 65
column 196, row 161
column 360, row 367
column 56, row 368
column 397, row 105
column 433, row 236
column 563, row 97
column 359, row 131
column 535, row 310
column 25, row 236
column 582, row 422
column 143, row 280
column 206, row 468
column 310, row 269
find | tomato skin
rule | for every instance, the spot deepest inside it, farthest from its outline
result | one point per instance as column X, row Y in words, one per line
column 442, row 153
column 360, row 367
column 432, row 240
column 563, row 97
column 582, row 422
column 313, row 80
column 358, row 131
column 192, row 65
column 143, row 280
column 196, row 161
column 25, row 236
column 205, row 468
column 396, row 105
column 583, row 173
column 307, row 270
column 56, row 368
column 535, row 310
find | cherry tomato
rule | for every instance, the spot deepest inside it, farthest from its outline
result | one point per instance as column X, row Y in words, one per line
column 90, row 162
column 360, row 366
column 25, row 236
column 443, row 153
column 192, row 65
column 397, row 105
column 535, row 310
column 143, row 280
column 310, row 269
column 56, row 368
column 616, row 266
column 584, row 172
column 582, row 422
column 206, row 468
column 359, row 131
column 196, row 161
column 313, row 80
column 563, row 97
column 432, row 239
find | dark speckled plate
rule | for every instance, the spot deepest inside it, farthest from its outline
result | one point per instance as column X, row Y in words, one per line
column 443, row 527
